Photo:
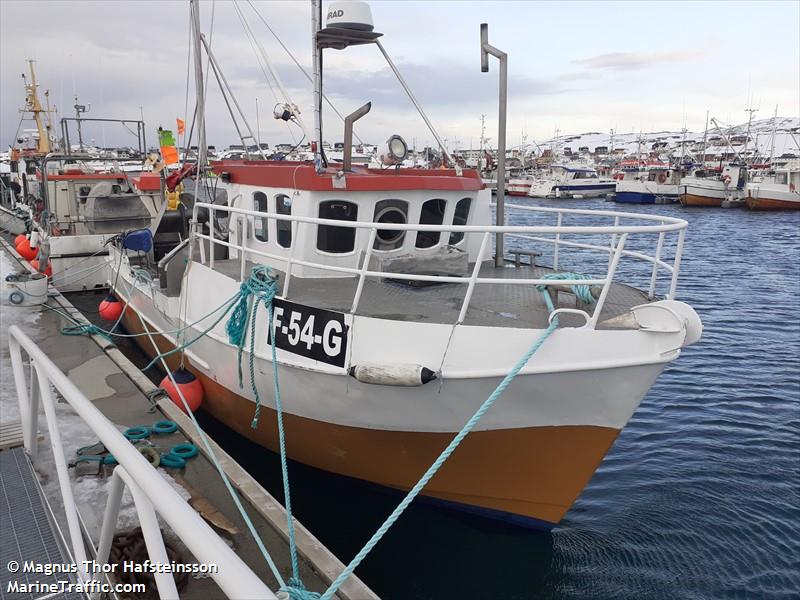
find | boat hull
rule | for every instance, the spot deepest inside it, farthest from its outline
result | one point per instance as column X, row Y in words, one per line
column 688, row 199
column 527, row 475
column 771, row 204
column 634, row 198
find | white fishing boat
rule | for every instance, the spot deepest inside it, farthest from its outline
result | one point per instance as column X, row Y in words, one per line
column 521, row 185
column 571, row 182
column 712, row 189
column 648, row 183
column 69, row 208
column 778, row 191
column 393, row 322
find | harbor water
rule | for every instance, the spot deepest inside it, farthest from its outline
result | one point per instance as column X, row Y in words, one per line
column 699, row 496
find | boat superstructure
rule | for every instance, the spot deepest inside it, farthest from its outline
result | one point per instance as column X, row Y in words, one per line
column 397, row 310
column 565, row 181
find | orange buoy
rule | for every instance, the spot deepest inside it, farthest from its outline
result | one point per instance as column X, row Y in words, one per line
column 25, row 251
column 19, row 239
column 48, row 271
column 110, row 309
column 190, row 387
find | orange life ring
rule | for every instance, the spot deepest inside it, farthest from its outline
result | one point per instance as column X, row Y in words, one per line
column 661, row 178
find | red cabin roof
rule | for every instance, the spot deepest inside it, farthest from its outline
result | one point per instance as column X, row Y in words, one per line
column 302, row 175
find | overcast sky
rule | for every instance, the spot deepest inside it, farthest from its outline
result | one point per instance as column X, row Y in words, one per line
column 576, row 67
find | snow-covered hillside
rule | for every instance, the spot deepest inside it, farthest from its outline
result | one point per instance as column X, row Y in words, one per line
column 787, row 139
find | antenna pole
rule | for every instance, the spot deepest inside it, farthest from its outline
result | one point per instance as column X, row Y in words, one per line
column 486, row 50
column 316, row 24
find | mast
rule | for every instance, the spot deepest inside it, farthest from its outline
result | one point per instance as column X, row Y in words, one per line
column 747, row 136
column 199, row 89
column 34, row 106
column 705, row 138
column 774, row 133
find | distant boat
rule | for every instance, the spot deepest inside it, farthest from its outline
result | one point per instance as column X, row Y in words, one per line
column 704, row 189
column 572, row 182
column 652, row 183
column 780, row 191
column 520, row 186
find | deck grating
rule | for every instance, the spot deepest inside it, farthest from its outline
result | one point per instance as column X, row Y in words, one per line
column 26, row 532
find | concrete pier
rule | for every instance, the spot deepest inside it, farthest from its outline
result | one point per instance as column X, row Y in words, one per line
column 128, row 398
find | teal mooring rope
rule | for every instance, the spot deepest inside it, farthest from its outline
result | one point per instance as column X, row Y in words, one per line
column 465, row 430
column 261, row 288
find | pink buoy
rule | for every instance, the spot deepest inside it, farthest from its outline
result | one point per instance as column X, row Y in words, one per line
column 19, row 239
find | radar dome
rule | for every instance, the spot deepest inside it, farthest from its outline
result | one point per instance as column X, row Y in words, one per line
column 349, row 15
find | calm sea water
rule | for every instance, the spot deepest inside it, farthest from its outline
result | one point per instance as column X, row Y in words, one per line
column 698, row 498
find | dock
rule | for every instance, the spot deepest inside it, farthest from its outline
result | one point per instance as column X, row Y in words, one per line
column 125, row 396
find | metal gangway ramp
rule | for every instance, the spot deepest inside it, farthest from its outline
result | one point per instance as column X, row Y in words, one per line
column 28, row 533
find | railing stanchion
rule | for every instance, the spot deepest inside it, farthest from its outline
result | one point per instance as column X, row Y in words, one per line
column 676, row 264
column 612, row 269
column 110, row 516
column 151, row 532
column 242, row 255
column 211, row 219
column 613, row 243
column 288, row 278
column 651, row 294
column 70, row 508
column 364, row 267
column 473, row 278
column 557, row 242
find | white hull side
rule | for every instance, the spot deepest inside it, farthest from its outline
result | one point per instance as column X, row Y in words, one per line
column 573, row 380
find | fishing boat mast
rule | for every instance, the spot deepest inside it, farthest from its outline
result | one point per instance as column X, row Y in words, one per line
column 316, row 25
column 202, row 150
column 33, row 105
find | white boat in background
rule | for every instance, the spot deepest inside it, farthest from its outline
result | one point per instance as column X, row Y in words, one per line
column 778, row 191
column 572, row 182
column 650, row 183
column 706, row 189
column 520, row 186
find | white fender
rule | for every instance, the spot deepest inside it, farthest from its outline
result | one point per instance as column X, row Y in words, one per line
column 402, row 375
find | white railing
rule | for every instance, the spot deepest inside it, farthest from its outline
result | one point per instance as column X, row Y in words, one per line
column 151, row 492
column 656, row 225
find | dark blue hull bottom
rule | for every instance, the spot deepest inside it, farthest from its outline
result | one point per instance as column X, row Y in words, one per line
column 635, row 198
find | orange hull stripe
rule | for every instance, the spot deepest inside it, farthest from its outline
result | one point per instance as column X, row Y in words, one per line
column 536, row 472
column 771, row 204
column 693, row 200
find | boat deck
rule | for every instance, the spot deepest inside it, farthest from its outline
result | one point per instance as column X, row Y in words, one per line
column 492, row 305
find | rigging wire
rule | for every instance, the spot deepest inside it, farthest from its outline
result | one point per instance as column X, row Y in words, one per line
column 296, row 62
column 251, row 39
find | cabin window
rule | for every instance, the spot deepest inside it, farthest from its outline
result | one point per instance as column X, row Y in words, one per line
column 782, row 178
column 83, row 193
column 393, row 212
column 432, row 214
column 283, row 206
column 333, row 239
column 460, row 217
column 260, row 224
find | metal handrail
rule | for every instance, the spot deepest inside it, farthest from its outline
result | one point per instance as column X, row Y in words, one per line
column 150, row 490
column 615, row 249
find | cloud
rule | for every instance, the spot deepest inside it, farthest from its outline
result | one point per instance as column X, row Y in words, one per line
column 626, row 61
